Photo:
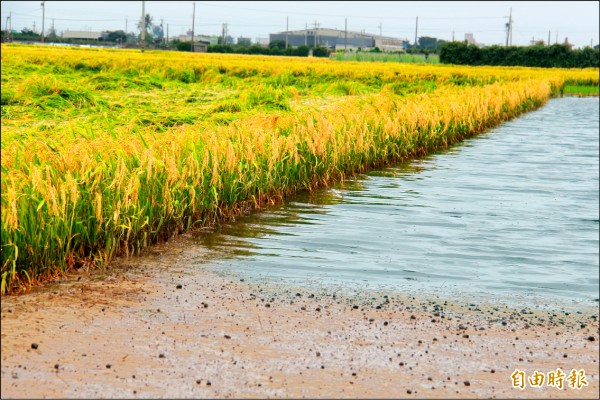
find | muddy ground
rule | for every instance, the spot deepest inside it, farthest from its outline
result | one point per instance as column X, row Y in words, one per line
column 152, row 327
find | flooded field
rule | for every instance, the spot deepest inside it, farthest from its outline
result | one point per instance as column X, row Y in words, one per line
column 510, row 216
column 440, row 278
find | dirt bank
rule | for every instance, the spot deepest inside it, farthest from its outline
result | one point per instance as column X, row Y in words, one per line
column 162, row 329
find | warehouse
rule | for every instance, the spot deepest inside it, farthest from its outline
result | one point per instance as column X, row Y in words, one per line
column 86, row 35
column 335, row 39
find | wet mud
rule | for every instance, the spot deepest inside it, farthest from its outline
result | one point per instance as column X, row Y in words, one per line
column 153, row 327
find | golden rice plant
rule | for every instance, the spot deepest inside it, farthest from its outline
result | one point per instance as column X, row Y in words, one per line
column 106, row 152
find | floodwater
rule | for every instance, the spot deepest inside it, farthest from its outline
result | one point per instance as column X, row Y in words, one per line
column 511, row 215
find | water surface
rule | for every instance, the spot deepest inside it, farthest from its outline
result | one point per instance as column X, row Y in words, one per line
column 510, row 215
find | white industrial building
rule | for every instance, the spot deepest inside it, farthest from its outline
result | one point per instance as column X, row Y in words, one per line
column 336, row 39
column 89, row 35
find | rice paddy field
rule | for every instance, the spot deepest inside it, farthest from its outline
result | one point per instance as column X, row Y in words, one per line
column 388, row 57
column 105, row 152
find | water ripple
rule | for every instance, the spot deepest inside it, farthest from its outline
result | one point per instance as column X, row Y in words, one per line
column 512, row 212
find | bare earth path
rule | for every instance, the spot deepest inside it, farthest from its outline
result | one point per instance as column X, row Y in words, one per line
column 137, row 333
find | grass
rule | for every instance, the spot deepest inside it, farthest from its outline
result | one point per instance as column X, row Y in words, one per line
column 387, row 57
column 577, row 90
column 105, row 152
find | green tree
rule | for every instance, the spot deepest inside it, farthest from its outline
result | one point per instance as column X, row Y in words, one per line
column 157, row 33
column 246, row 42
column 220, row 48
column 116, row 36
column 555, row 56
column 279, row 44
column 256, row 49
column 148, row 22
column 321, row 52
column 183, row 46
column 147, row 26
column 52, row 36
column 302, row 51
column 27, row 35
column 429, row 43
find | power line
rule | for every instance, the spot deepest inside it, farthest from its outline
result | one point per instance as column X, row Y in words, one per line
column 69, row 19
column 281, row 12
column 340, row 16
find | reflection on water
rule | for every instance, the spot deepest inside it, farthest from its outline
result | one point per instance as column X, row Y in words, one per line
column 513, row 212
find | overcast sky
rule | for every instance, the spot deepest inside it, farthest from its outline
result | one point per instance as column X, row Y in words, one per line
column 577, row 20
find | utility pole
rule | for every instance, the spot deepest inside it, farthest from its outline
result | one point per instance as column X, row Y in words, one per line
column 346, row 35
column 143, row 25
column 453, row 35
column 223, row 34
column 43, row 18
column 125, row 24
column 305, row 34
column 6, row 29
column 556, row 40
column 315, row 36
column 509, row 29
column 287, row 30
column 511, row 26
column 416, row 30
column 507, row 26
column 548, row 38
column 362, row 39
column 167, row 34
column 193, row 23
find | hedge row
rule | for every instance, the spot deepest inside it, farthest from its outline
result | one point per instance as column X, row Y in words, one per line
column 555, row 56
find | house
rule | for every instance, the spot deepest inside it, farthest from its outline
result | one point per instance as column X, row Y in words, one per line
column 201, row 46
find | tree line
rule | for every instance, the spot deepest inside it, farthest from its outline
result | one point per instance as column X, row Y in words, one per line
column 555, row 56
column 275, row 48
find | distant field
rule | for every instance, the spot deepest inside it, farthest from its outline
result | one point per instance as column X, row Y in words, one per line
column 578, row 90
column 387, row 57
column 105, row 152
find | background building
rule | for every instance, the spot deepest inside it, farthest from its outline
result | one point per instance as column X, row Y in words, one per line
column 469, row 38
column 390, row 44
column 261, row 41
column 211, row 40
column 82, row 35
column 335, row 39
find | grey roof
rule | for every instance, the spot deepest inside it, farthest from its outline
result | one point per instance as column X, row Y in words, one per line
column 81, row 35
